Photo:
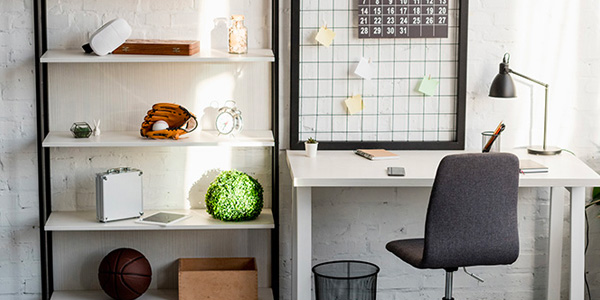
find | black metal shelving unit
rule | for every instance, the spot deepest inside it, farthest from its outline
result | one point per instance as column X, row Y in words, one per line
column 45, row 201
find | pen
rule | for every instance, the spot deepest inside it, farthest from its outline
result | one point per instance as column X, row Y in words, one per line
column 498, row 130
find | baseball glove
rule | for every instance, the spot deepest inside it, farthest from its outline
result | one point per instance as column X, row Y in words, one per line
column 180, row 121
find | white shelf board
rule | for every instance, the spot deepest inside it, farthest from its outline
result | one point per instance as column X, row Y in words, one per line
column 65, row 139
column 200, row 220
column 263, row 294
column 78, row 56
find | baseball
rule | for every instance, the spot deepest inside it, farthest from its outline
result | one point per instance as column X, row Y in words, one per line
column 160, row 125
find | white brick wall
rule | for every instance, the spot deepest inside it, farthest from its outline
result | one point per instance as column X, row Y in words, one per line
column 19, row 233
column 553, row 41
column 558, row 44
column 70, row 22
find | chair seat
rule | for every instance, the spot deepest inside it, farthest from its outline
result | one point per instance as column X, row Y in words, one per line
column 410, row 250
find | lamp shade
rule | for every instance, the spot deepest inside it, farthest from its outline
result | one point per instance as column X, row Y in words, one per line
column 503, row 85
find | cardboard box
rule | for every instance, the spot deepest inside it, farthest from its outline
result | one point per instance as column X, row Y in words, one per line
column 218, row 279
column 159, row 47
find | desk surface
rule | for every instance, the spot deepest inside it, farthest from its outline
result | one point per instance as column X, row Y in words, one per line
column 346, row 169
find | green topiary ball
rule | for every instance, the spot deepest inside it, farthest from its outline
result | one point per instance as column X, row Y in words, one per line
column 234, row 196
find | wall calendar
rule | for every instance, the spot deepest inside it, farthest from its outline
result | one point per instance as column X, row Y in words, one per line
column 402, row 19
column 359, row 93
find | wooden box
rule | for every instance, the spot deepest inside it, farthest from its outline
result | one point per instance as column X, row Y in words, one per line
column 159, row 47
column 218, row 279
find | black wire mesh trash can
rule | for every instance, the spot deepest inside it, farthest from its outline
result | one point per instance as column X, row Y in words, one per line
column 346, row 280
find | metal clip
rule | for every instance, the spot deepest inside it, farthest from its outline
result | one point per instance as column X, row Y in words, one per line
column 176, row 50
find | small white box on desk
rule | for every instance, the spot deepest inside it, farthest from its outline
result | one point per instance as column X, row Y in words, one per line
column 119, row 194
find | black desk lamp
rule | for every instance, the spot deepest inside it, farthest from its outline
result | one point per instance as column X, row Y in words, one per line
column 504, row 87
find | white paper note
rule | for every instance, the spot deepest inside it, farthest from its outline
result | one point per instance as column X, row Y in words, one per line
column 364, row 69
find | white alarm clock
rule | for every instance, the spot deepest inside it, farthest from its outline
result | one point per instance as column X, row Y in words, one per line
column 229, row 119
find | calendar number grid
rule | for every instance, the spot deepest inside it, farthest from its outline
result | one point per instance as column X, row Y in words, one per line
column 402, row 18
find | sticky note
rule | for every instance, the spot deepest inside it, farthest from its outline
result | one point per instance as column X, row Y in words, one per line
column 325, row 36
column 364, row 69
column 354, row 104
column 428, row 86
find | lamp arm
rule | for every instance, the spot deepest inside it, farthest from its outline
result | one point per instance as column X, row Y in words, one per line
column 545, row 102
column 528, row 78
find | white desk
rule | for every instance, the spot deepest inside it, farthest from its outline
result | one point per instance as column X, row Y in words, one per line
column 346, row 169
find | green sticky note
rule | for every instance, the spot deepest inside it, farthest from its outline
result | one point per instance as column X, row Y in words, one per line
column 428, row 86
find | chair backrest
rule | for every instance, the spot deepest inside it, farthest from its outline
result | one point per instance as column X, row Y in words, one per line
column 472, row 213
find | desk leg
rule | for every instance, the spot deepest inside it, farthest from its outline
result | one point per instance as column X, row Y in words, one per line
column 577, row 242
column 302, row 244
column 555, row 244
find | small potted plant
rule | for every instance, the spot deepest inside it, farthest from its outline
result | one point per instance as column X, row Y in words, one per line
column 311, row 146
column 81, row 130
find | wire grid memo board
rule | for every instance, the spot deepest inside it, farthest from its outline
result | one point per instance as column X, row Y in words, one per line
column 394, row 115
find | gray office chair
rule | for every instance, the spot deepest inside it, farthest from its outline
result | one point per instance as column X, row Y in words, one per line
column 471, row 218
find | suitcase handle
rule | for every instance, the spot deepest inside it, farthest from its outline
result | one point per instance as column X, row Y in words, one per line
column 118, row 170
column 122, row 170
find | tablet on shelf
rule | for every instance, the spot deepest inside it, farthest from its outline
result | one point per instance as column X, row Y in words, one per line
column 163, row 218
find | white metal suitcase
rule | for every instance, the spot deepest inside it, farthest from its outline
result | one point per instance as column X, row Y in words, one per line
column 119, row 194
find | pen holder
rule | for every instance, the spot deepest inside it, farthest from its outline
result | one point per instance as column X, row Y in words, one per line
column 486, row 136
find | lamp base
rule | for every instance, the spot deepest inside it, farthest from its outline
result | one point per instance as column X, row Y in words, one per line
column 539, row 150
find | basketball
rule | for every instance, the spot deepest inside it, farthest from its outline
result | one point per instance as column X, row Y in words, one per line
column 124, row 274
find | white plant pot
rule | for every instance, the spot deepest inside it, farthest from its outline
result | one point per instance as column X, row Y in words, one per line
column 311, row 149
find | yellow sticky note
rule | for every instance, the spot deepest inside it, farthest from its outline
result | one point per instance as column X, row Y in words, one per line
column 354, row 104
column 325, row 36
column 428, row 86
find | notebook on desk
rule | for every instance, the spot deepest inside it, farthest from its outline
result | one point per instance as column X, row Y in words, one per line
column 376, row 154
column 530, row 166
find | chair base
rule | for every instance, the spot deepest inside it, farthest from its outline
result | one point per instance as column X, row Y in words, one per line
column 449, row 279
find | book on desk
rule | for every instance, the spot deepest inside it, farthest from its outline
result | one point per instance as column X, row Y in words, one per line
column 376, row 154
column 530, row 166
